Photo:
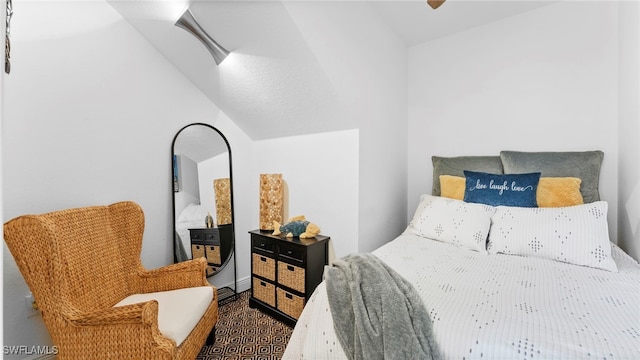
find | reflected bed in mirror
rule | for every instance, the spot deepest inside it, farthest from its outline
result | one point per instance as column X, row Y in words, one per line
column 202, row 200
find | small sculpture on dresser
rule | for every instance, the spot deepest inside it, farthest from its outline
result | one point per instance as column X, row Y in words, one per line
column 296, row 227
column 208, row 221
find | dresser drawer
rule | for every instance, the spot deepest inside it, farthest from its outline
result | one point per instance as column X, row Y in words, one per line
column 211, row 270
column 212, row 253
column 197, row 251
column 262, row 244
column 264, row 291
column 208, row 236
column 289, row 303
column 291, row 276
column 264, row 266
column 291, row 253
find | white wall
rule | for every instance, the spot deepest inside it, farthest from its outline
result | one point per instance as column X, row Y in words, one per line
column 321, row 175
column 188, row 179
column 88, row 118
column 366, row 63
column 545, row 80
column 629, row 129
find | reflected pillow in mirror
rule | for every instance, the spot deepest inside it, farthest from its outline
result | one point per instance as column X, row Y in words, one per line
column 193, row 213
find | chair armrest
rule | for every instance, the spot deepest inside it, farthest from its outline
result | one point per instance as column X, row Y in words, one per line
column 175, row 276
column 145, row 313
column 130, row 332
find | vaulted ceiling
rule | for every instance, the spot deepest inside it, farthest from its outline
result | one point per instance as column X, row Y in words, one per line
column 273, row 83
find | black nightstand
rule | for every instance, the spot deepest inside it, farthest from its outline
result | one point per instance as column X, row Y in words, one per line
column 285, row 272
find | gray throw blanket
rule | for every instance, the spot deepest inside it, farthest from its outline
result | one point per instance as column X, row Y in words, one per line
column 377, row 314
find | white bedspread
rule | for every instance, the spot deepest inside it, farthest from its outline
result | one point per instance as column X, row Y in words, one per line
column 501, row 306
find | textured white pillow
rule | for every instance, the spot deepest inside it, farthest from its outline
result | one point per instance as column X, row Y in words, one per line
column 192, row 213
column 573, row 234
column 452, row 221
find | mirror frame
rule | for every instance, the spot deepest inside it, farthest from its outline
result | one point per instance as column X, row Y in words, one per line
column 173, row 199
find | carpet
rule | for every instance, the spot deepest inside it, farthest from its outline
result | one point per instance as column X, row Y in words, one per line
column 245, row 333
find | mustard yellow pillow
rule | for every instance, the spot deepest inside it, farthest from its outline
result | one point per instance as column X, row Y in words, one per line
column 552, row 191
column 559, row 191
column 452, row 186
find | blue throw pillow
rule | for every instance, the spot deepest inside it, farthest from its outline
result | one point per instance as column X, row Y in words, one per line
column 501, row 189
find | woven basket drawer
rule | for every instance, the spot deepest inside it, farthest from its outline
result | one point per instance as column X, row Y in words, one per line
column 289, row 303
column 264, row 266
column 291, row 276
column 211, row 270
column 264, row 291
column 197, row 251
column 213, row 254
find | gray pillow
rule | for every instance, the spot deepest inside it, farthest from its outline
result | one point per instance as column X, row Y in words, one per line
column 457, row 165
column 584, row 165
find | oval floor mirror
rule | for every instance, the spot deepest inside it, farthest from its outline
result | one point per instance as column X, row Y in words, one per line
column 203, row 201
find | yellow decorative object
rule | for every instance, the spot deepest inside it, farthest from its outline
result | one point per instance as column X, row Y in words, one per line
column 296, row 227
column 558, row 192
column 452, row 186
column 551, row 192
column 222, row 188
column 271, row 200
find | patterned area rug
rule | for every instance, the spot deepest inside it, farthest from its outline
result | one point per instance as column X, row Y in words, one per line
column 245, row 333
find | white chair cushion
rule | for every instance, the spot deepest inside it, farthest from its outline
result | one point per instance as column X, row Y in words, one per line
column 178, row 310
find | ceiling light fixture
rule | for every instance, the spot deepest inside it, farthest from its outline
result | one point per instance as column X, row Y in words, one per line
column 188, row 22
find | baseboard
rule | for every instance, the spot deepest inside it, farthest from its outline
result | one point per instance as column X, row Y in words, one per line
column 244, row 284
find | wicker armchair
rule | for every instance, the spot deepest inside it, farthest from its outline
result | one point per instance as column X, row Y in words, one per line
column 79, row 263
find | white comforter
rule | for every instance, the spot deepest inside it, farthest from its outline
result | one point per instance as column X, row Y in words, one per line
column 501, row 306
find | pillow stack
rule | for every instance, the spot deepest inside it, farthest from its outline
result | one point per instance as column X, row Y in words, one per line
column 549, row 191
column 572, row 234
column 543, row 204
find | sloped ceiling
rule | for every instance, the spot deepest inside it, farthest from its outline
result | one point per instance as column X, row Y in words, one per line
column 272, row 84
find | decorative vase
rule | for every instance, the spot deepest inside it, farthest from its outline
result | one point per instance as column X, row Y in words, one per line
column 271, row 200
column 222, row 188
column 208, row 221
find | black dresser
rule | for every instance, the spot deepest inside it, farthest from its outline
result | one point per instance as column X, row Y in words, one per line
column 285, row 272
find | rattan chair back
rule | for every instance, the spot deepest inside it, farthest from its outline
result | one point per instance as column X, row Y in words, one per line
column 80, row 262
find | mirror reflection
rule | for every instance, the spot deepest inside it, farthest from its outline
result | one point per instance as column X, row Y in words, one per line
column 202, row 196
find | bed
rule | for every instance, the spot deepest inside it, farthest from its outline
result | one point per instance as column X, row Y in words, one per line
column 191, row 217
column 509, row 281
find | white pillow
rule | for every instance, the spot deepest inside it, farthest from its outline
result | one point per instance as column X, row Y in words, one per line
column 192, row 213
column 452, row 221
column 574, row 234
